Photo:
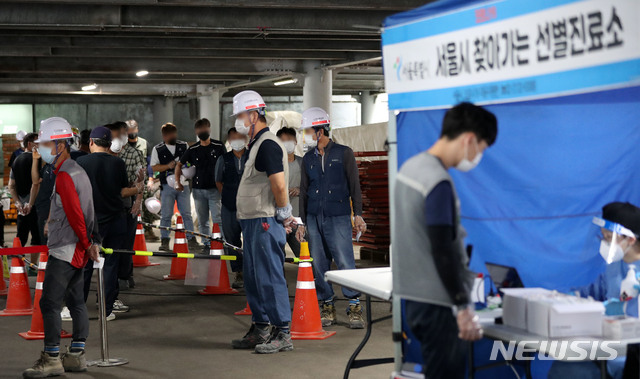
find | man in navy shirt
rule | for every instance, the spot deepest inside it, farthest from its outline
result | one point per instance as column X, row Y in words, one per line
column 203, row 155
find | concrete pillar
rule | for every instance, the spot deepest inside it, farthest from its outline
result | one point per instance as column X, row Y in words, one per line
column 162, row 113
column 209, row 107
column 318, row 87
column 367, row 102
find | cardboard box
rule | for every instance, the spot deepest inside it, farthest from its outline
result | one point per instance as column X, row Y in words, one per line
column 514, row 305
column 560, row 315
column 620, row 327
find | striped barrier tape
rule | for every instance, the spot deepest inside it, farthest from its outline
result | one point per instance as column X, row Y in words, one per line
column 170, row 255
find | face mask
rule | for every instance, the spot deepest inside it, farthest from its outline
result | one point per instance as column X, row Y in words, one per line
column 203, row 136
column 244, row 130
column 172, row 141
column 123, row 139
column 309, row 141
column 133, row 135
column 611, row 255
column 237, row 144
column 46, row 155
column 116, row 145
column 466, row 165
column 290, row 146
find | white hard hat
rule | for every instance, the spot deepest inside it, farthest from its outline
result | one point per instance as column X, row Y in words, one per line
column 248, row 101
column 171, row 180
column 314, row 117
column 20, row 135
column 189, row 172
column 153, row 205
column 54, row 128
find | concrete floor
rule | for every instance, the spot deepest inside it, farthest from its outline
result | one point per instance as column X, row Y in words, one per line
column 172, row 332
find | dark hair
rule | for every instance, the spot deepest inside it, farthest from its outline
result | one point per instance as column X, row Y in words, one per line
column 625, row 214
column 101, row 142
column 30, row 137
column 202, row 122
column 232, row 130
column 168, row 128
column 120, row 124
column 466, row 117
column 287, row 130
column 113, row 127
column 262, row 118
column 84, row 136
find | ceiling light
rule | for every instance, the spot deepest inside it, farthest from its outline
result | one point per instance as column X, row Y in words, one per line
column 90, row 87
column 286, row 81
column 142, row 73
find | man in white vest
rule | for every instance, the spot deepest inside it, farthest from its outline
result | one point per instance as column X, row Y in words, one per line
column 429, row 241
column 264, row 212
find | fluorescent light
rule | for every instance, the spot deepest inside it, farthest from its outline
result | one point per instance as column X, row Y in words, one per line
column 90, row 87
column 142, row 73
column 286, row 81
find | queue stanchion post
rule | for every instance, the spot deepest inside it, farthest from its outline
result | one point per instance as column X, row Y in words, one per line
column 105, row 361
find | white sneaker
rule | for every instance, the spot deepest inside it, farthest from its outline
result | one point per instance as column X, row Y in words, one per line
column 119, row 307
column 65, row 314
column 111, row 317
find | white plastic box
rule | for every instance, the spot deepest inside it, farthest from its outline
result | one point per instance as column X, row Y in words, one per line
column 617, row 328
column 561, row 315
column 514, row 305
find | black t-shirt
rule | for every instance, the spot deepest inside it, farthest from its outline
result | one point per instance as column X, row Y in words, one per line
column 43, row 200
column 108, row 175
column 269, row 157
column 205, row 159
column 21, row 171
column 77, row 154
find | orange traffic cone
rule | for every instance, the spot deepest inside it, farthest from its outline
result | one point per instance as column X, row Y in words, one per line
column 141, row 244
column 244, row 312
column 37, row 327
column 3, row 285
column 178, row 265
column 305, row 321
column 218, row 273
column 19, row 298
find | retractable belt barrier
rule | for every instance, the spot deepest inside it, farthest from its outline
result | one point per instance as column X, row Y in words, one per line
column 225, row 243
column 109, row 251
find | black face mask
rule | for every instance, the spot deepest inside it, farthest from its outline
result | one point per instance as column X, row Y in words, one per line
column 133, row 135
column 172, row 141
column 203, row 136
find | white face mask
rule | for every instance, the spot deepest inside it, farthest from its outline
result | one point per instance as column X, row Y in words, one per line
column 309, row 141
column 116, row 145
column 290, row 146
column 241, row 128
column 237, row 144
column 465, row 164
column 124, row 139
column 610, row 253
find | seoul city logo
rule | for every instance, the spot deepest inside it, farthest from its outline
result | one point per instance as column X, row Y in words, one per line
column 398, row 67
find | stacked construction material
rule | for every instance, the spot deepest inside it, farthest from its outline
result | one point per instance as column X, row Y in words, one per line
column 374, row 182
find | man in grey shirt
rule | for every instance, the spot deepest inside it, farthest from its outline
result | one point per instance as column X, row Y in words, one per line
column 288, row 137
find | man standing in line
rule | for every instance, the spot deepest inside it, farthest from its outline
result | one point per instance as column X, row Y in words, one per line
column 429, row 241
column 134, row 139
column 203, row 155
column 229, row 169
column 108, row 176
column 73, row 242
column 164, row 157
column 265, row 216
column 289, row 138
column 330, row 185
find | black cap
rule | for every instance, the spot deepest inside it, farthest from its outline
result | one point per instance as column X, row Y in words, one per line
column 625, row 214
column 101, row 132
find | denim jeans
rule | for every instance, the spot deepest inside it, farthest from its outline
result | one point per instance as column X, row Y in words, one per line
column 207, row 203
column 264, row 282
column 63, row 283
column 114, row 235
column 168, row 197
column 330, row 239
column 232, row 232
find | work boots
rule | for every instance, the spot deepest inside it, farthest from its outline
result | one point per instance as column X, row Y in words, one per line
column 254, row 337
column 278, row 342
column 44, row 367
column 74, row 362
column 238, row 280
column 328, row 314
column 194, row 246
column 164, row 244
column 356, row 321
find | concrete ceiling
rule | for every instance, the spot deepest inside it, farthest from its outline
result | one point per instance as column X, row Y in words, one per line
column 56, row 47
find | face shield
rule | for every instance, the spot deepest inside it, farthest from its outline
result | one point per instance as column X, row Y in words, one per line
column 614, row 239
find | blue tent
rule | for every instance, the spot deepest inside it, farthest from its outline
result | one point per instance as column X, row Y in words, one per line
column 561, row 153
